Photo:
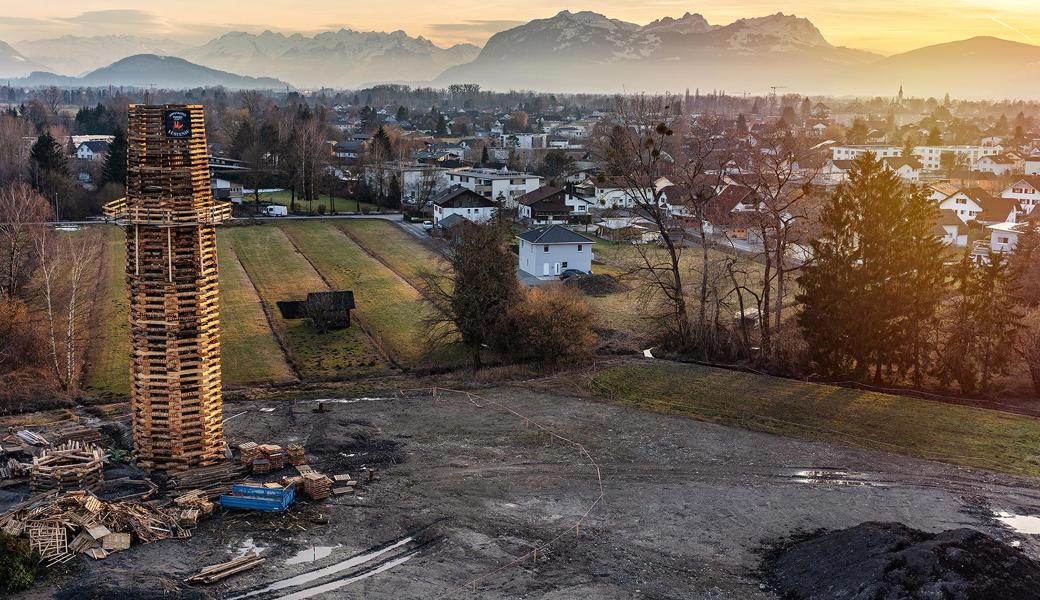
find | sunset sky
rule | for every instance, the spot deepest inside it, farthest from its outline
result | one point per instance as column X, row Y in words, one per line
column 885, row 26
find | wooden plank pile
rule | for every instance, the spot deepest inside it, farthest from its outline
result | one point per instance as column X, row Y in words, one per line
column 70, row 466
column 275, row 455
column 61, row 525
column 203, row 477
column 219, row 571
column 296, row 454
column 248, row 452
column 317, row 486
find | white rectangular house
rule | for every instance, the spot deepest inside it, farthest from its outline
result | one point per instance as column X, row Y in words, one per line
column 546, row 252
column 1026, row 191
column 464, row 203
column 502, row 186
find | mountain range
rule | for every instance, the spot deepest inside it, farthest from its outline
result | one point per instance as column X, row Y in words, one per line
column 145, row 70
column 569, row 52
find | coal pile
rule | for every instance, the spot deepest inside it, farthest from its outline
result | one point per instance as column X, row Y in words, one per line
column 882, row 561
column 596, row 285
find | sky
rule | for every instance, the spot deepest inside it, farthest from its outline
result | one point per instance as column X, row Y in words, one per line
column 884, row 26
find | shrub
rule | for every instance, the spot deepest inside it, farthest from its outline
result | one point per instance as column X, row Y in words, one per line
column 550, row 324
column 17, row 564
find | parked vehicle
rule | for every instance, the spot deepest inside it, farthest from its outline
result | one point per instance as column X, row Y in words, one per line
column 427, row 225
column 568, row 273
column 274, row 210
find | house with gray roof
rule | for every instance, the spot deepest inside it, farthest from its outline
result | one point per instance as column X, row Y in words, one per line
column 548, row 251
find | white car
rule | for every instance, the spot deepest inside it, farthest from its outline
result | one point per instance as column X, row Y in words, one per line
column 427, row 225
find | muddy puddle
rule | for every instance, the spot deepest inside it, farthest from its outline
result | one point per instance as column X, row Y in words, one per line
column 833, row 477
column 1025, row 524
column 311, row 554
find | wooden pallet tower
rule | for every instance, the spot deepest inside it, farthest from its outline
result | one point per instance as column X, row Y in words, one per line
column 169, row 215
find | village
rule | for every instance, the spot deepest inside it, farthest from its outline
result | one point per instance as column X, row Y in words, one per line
column 416, row 342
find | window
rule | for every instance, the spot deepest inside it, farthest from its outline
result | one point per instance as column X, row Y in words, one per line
column 1002, row 240
column 545, row 248
column 579, row 247
column 961, row 201
column 564, row 264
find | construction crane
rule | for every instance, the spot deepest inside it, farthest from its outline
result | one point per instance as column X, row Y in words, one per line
column 777, row 87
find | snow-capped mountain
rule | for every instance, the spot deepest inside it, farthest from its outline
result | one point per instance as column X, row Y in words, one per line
column 15, row 64
column 587, row 51
column 343, row 58
column 76, row 55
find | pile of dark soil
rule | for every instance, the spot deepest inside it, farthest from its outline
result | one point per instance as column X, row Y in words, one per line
column 596, row 285
column 878, row 561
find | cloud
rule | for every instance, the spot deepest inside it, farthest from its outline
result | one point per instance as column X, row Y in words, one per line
column 475, row 27
column 115, row 18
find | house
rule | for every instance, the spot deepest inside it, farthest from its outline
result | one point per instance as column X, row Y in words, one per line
column 998, row 210
column 1031, row 165
column 92, row 150
column 618, row 192
column 458, row 201
column 907, row 168
column 931, row 156
column 501, row 185
column 998, row 164
column 225, row 190
column 545, row 206
column 951, row 229
column 978, row 179
column 834, row 172
column 852, row 152
column 548, row 251
column 1026, row 191
column 415, row 183
column 348, row 149
column 937, row 192
column 1003, row 237
column 636, row 230
column 967, row 204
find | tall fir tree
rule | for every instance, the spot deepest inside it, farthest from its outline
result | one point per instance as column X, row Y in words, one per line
column 876, row 278
column 114, row 169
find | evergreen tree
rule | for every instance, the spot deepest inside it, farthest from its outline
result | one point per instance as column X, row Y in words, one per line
column 442, row 125
column 114, row 170
column 402, row 114
column 742, row 128
column 48, row 167
column 934, row 137
column 876, row 280
column 484, row 159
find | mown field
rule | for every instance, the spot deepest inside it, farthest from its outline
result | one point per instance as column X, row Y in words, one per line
column 107, row 368
column 279, row 272
column 927, row 429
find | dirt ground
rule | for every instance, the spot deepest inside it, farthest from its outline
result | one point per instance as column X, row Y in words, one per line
column 464, row 489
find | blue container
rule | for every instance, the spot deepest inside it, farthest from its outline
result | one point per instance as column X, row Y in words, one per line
column 256, row 497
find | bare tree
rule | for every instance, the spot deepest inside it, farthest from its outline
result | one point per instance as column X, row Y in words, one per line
column 66, row 264
column 426, row 188
column 785, row 206
column 14, row 152
column 22, row 210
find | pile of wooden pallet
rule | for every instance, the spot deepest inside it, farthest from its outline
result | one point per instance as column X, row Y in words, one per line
column 317, row 486
column 275, row 455
column 70, row 466
column 296, row 454
column 61, row 525
column 203, row 477
column 220, row 571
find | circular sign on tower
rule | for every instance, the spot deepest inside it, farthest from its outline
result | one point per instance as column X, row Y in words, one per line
column 177, row 124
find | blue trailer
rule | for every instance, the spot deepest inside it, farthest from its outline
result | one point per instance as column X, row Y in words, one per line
column 258, row 497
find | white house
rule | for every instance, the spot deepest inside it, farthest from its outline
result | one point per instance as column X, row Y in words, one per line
column 617, row 192
column 548, row 251
column 502, row 186
column 1026, row 191
column 1032, row 165
column 998, row 164
column 952, row 230
column 92, row 150
column 931, row 156
column 854, row 151
column 908, row 169
column 1003, row 237
column 228, row 191
column 465, row 203
column 416, row 181
column 967, row 204
column 545, row 206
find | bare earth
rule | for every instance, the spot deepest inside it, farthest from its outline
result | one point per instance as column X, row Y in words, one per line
column 465, row 488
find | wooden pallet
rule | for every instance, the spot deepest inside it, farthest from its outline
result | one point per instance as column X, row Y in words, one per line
column 174, row 302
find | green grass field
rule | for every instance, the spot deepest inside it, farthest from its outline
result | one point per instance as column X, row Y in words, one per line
column 249, row 351
column 279, row 272
column 389, row 308
column 108, row 369
column 404, row 254
column 284, row 197
column 922, row 428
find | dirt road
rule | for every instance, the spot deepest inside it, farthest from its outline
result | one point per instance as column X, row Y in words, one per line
column 464, row 488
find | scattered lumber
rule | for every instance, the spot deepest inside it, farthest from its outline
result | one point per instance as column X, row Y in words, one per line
column 202, row 477
column 219, row 571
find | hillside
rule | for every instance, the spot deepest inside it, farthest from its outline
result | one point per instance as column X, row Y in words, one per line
column 980, row 67
column 343, row 58
column 15, row 64
column 587, row 51
column 77, row 55
column 145, row 70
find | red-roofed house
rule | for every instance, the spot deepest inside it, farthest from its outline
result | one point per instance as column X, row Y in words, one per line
column 1025, row 190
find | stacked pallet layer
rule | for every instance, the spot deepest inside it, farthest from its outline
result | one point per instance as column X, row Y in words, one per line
column 71, row 466
column 172, row 275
